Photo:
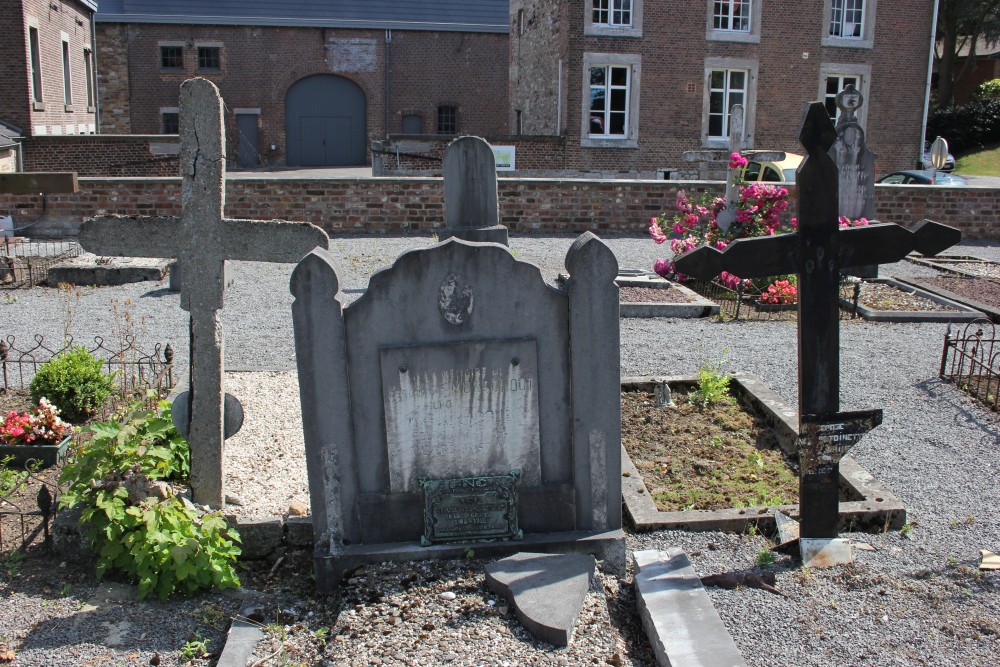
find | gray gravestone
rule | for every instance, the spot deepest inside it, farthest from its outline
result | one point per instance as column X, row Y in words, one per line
column 856, row 166
column 470, row 192
column 202, row 240
column 461, row 402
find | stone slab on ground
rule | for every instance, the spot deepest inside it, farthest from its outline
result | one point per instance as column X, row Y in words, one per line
column 546, row 591
column 818, row 552
column 244, row 635
column 91, row 269
column 683, row 626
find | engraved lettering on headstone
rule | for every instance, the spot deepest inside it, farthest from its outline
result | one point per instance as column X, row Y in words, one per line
column 470, row 508
column 461, row 410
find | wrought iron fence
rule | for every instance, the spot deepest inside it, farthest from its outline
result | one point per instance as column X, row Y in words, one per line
column 744, row 302
column 17, row 517
column 26, row 263
column 971, row 361
column 136, row 371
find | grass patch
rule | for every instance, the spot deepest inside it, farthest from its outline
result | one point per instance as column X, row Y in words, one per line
column 985, row 162
column 697, row 456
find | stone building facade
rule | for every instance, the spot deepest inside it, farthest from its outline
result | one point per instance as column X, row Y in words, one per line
column 47, row 67
column 307, row 89
column 632, row 84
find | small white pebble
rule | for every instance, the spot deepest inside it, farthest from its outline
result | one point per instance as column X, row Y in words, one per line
column 448, row 595
column 490, row 603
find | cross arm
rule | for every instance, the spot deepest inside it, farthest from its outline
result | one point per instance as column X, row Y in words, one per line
column 746, row 258
column 888, row 242
column 271, row 240
column 120, row 236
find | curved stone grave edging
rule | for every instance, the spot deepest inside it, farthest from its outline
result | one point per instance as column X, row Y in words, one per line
column 697, row 306
column 872, row 506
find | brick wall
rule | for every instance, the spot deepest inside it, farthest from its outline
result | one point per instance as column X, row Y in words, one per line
column 104, row 155
column 673, row 51
column 53, row 19
column 260, row 64
column 15, row 102
column 422, row 155
column 416, row 204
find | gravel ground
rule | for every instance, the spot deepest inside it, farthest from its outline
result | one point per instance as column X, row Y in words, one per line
column 916, row 599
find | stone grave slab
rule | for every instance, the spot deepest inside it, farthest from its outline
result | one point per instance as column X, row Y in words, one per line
column 457, row 364
column 869, row 505
column 992, row 312
column 683, row 626
column 546, row 590
column 89, row 269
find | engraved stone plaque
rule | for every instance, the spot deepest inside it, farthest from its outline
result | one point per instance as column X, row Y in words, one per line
column 470, row 508
column 825, row 439
column 461, row 410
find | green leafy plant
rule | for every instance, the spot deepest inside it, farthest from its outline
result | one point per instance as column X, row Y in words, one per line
column 713, row 384
column 765, row 557
column 75, row 382
column 195, row 648
column 133, row 520
column 905, row 530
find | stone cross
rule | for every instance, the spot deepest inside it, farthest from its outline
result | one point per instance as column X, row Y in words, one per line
column 727, row 216
column 856, row 166
column 817, row 253
column 471, row 212
column 202, row 240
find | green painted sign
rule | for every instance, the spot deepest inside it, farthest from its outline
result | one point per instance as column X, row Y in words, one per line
column 470, row 508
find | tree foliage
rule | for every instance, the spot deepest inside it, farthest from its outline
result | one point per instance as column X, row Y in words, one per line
column 961, row 25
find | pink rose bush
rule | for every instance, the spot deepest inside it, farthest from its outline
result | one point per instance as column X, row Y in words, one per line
column 780, row 292
column 759, row 210
column 40, row 426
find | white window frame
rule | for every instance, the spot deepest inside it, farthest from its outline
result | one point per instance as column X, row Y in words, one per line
column 751, row 35
column 88, row 70
column 866, row 38
column 175, row 44
column 748, row 65
column 631, row 137
column 632, row 29
column 67, row 69
column 35, row 63
column 863, row 72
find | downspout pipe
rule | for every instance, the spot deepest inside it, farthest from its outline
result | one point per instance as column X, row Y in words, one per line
column 388, row 80
column 93, row 74
column 927, row 90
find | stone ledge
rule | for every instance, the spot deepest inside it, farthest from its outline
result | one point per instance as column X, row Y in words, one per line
column 872, row 505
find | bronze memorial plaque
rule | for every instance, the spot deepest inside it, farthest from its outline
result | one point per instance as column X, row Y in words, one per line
column 470, row 508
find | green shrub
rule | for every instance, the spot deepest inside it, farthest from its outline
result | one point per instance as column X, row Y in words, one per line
column 967, row 127
column 160, row 543
column 987, row 90
column 75, row 382
column 713, row 384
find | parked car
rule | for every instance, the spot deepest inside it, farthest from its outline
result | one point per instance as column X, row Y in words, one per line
column 773, row 172
column 922, row 177
column 925, row 160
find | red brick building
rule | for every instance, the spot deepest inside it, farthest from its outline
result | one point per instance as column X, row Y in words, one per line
column 632, row 84
column 47, row 67
column 308, row 84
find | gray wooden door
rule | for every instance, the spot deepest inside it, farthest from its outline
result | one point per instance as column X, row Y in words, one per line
column 246, row 148
column 325, row 122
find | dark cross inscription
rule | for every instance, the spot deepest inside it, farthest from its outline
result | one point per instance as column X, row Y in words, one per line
column 817, row 253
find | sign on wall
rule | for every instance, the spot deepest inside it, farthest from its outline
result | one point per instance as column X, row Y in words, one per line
column 504, row 156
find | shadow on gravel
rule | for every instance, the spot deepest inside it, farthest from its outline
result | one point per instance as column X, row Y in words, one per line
column 942, row 391
column 157, row 293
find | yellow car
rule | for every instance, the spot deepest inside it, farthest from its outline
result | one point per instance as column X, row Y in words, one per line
column 772, row 172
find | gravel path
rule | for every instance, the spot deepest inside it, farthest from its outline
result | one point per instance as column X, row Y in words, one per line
column 916, row 599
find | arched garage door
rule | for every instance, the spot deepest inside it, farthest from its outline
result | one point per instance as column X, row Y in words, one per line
column 325, row 122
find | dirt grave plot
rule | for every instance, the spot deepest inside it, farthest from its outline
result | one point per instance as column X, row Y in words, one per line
column 978, row 289
column 706, row 457
column 653, row 295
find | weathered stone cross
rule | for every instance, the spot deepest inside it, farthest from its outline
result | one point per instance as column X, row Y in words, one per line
column 202, row 240
column 818, row 252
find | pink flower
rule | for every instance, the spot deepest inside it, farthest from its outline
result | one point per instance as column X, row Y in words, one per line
column 663, row 267
column 656, row 232
column 737, row 161
column 682, row 204
column 678, row 229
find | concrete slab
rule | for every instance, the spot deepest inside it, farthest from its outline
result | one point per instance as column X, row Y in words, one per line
column 546, row 591
column 90, row 269
column 243, row 637
column 683, row 626
column 818, row 552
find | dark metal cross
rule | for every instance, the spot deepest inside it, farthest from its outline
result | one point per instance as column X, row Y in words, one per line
column 818, row 252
